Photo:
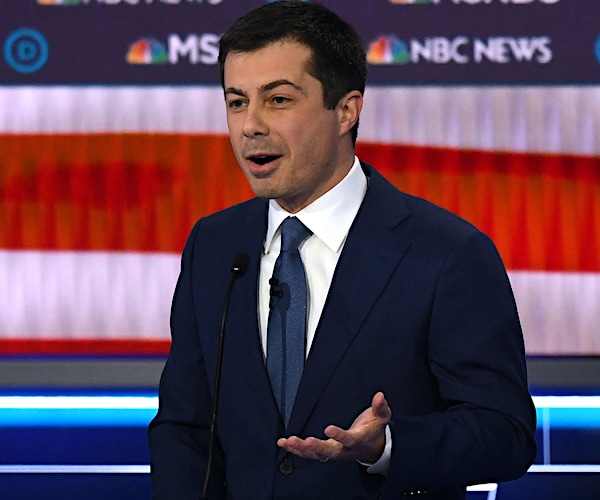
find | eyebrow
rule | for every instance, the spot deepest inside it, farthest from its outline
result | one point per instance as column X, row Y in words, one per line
column 266, row 87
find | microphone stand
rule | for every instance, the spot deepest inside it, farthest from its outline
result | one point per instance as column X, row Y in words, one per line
column 239, row 267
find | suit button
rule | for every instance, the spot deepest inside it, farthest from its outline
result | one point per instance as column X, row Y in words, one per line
column 415, row 493
column 286, row 467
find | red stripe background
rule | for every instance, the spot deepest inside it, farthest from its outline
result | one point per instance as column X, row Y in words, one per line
column 143, row 192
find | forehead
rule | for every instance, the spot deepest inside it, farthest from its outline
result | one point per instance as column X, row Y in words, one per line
column 278, row 60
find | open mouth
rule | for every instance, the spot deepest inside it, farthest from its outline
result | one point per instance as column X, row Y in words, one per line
column 263, row 159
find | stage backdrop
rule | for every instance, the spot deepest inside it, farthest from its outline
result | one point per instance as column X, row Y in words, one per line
column 113, row 142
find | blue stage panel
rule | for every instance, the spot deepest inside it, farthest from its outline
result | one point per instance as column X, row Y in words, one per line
column 74, row 445
column 552, row 486
column 575, row 446
column 75, row 486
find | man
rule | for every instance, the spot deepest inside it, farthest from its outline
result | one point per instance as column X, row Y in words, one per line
column 414, row 381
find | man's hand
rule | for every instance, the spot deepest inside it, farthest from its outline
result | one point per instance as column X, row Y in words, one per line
column 363, row 441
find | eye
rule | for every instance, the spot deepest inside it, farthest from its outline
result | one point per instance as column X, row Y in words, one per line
column 278, row 99
column 236, row 103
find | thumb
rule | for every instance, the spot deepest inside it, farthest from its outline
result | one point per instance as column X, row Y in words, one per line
column 380, row 406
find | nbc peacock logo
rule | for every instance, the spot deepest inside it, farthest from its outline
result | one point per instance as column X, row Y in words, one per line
column 60, row 2
column 388, row 50
column 147, row 51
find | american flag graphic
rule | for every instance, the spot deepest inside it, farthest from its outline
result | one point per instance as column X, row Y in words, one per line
column 99, row 187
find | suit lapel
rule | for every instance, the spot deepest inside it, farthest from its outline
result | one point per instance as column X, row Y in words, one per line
column 243, row 340
column 371, row 254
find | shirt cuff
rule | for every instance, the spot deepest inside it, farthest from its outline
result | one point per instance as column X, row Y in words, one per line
column 382, row 465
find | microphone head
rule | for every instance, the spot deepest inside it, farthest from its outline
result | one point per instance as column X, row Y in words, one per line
column 240, row 264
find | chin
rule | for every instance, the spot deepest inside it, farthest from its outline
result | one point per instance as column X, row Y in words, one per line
column 262, row 191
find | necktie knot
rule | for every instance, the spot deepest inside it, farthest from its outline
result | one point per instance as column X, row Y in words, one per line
column 293, row 233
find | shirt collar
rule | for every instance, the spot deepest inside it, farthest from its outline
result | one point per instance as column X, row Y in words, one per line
column 330, row 216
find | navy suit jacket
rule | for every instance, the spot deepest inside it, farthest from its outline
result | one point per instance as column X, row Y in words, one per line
column 420, row 307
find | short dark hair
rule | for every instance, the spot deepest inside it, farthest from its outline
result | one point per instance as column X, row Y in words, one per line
column 338, row 56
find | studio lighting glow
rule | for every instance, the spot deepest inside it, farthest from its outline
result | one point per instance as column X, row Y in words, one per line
column 561, row 412
column 571, row 402
column 138, row 410
column 81, row 410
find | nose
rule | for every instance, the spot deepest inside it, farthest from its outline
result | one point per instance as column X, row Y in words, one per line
column 254, row 121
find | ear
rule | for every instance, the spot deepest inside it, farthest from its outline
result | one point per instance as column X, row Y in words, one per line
column 349, row 109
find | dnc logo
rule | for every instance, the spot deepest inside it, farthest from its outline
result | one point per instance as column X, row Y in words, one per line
column 26, row 50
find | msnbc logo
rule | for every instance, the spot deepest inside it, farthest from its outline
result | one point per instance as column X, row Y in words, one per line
column 111, row 3
column 147, row 51
column 195, row 49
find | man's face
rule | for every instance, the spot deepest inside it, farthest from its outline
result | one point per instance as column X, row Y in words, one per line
column 290, row 147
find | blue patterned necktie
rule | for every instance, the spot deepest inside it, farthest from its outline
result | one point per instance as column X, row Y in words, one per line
column 287, row 317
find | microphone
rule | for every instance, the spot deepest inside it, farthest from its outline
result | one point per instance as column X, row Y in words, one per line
column 239, row 266
column 274, row 290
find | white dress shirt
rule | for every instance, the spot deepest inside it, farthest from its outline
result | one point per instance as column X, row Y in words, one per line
column 329, row 218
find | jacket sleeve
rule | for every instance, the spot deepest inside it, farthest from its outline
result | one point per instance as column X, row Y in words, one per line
column 178, row 436
column 476, row 353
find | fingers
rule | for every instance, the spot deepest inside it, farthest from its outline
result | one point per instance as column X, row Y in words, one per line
column 311, row 447
column 340, row 435
column 364, row 440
